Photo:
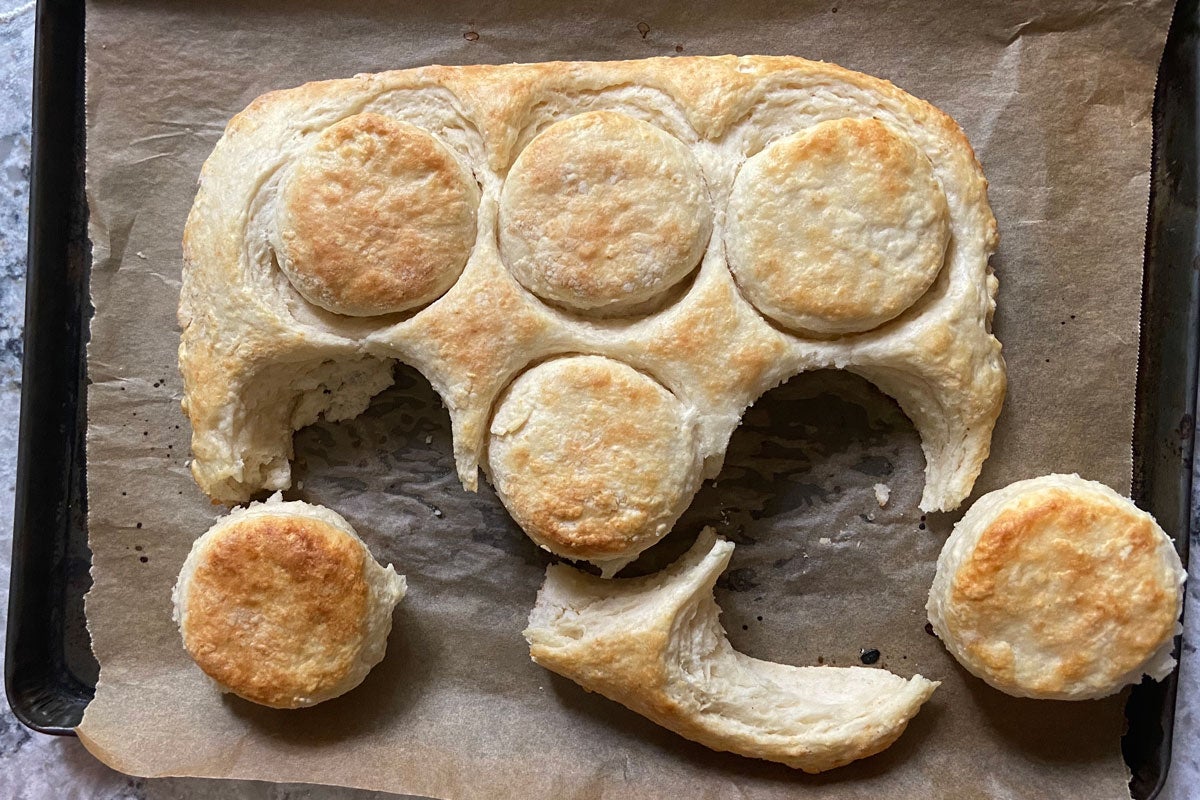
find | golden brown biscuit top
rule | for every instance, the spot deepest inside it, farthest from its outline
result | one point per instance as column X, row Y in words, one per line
column 602, row 211
column 276, row 608
column 376, row 217
column 837, row 228
column 1064, row 588
column 591, row 457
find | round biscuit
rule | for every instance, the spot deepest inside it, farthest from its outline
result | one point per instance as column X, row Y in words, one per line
column 593, row 459
column 837, row 228
column 602, row 213
column 376, row 217
column 1059, row 588
column 281, row 604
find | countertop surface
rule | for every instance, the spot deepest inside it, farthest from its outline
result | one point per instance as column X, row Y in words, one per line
column 36, row 766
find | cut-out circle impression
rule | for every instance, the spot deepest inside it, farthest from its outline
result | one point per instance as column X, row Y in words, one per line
column 377, row 217
column 593, row 459
column 837, row 228
column 602, row 213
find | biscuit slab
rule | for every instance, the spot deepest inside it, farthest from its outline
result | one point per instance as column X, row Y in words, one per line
column 259, row 360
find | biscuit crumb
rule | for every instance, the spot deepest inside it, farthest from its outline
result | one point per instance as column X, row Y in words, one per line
column 882, row 493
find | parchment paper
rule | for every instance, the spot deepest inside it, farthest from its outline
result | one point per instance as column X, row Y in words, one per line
column 1057, row 104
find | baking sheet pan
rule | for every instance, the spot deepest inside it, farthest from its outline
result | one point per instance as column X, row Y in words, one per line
column 50, row 673
column 1165, row 413
column 50, row 575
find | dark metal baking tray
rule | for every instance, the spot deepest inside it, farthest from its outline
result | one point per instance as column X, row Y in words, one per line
column 50, row 673
column 1165, row 415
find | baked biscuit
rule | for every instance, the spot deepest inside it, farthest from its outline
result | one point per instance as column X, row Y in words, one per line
column 376, row 217
column 655, row 645
column 599, row 183
column 281, row 604
column 838, row 228
column 602, row 212
column 1058, row 587
column 592, row 458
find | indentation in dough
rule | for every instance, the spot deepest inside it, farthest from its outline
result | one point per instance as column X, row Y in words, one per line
column 593, row 459
column 838, row 228
column 376, row 217
column 602, row 212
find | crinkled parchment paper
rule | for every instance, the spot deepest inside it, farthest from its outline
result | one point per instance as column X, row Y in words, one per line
column 1057, row 104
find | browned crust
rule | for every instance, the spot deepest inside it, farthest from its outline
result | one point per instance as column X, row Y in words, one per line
column 377, row 217
column 606, row 466
column 1081, row 579
column 276, row 608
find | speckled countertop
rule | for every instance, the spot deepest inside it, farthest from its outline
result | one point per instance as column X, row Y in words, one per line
column 36, row 766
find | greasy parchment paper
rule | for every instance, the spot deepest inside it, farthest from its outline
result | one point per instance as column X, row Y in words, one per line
column 1057, row 104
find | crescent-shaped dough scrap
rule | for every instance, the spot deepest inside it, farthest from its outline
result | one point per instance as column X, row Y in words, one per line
column 259, row 360
column 655, row 645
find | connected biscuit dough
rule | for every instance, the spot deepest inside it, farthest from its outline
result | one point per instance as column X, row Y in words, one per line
column 603, row 205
